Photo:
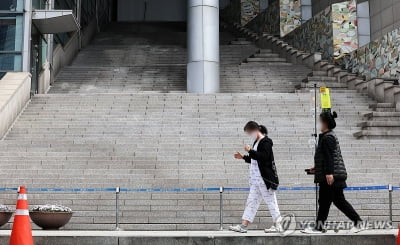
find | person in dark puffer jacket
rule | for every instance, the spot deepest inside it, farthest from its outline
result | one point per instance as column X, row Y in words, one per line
column 331, row 175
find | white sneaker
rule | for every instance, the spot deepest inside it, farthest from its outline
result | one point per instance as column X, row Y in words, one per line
column 274, row 229
column 238, row 228
column 309, row 230
column 355, row 229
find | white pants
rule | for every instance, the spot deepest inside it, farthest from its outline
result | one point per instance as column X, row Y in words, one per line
column 258, row 193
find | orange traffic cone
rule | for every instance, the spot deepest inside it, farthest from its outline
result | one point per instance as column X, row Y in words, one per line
column 398, row 236
column 21, row 231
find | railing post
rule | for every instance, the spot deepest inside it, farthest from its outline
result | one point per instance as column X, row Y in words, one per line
column 391, row 203
column 117, row 191
column 221, row 209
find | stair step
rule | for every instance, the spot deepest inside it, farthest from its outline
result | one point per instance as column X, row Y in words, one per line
column 383, row 114
column 241, row 43
column 322, row 79
column 383, row 107
column 265, row 51
column 266, row 59
column 379, row 124
column 378, row 133
column 318, row 74
column 266, row 55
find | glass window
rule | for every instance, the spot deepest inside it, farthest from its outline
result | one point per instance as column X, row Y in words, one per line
column 43, row 51
column 11, row 37
column 7, row 34
column 12, row 5
column 11, row 33
column 10, row 62
column 39, row 4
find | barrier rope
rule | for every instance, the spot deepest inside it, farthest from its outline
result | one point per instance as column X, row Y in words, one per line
column 184, row 190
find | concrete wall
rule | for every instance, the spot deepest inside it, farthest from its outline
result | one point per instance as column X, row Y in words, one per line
column 385, row 17
column 377, row 59
column 364, row 23
column 230, row 238
column 155, row 10
column 384, row 14
column 44, row 78
column 63, row 56
column 15, row 88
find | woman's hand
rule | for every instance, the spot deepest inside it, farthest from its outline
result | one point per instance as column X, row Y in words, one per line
column 312, row 170
column 330, row 179
column 247, row 148
column 237, row 155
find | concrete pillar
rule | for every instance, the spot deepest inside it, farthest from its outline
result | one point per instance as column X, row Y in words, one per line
column 79, row 19
column 364, row 25
column 50, row 38
column 371, row 87
column 397, row 98
column 380, row 90
column 203, row 46
column 389, row 94
column 26, row 46
column 306, row 10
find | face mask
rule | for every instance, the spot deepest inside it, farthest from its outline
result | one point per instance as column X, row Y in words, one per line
column 253, row 137
column 319, row 128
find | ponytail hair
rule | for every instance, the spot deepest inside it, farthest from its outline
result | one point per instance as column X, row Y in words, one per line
column 252, row 125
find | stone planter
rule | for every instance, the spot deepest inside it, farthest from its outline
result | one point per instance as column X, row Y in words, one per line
column 5, row 216
column 50, row 220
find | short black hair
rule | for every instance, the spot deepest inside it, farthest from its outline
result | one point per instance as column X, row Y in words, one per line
column 252, row 125
column 329, row 119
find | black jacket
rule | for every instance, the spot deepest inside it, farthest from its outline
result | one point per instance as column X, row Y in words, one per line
column 328, row 160
column 265, row 158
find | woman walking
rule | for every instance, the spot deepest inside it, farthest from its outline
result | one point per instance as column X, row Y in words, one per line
column 330, row 174
column 263, row 178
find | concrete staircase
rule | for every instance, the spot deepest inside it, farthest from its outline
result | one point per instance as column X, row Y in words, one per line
column 258, row 70
column 126, row 59
column 384, row 121
column 179, row 140
column 326, row 73
column 119, row 134
column 129, row 57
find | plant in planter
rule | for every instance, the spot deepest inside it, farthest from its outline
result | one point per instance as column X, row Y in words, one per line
column 5, row 214
column 50, row 217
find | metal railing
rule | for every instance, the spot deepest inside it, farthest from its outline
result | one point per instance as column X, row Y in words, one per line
column 221, row 190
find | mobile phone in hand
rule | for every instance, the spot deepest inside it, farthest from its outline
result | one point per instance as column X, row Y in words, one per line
column 308, row 171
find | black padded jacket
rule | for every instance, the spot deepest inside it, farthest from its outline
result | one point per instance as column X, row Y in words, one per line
column 328, row 160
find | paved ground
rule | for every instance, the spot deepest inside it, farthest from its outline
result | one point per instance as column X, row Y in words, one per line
column 209, row 234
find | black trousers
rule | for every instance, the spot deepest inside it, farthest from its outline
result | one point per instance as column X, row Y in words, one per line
column 329, row 194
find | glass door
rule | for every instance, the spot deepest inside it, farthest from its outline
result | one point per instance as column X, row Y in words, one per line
column 35, row 66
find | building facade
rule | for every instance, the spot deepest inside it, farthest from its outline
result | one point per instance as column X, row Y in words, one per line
column 11, row 34
column 41, row 36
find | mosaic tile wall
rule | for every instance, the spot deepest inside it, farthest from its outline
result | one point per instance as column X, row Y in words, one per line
column 290, row 16
column 249, row 10
column 380, row 58
column 267, row 21
column 316, row 35
column 345, row 35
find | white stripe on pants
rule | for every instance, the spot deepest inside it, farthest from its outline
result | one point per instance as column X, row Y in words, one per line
column 258, row 193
